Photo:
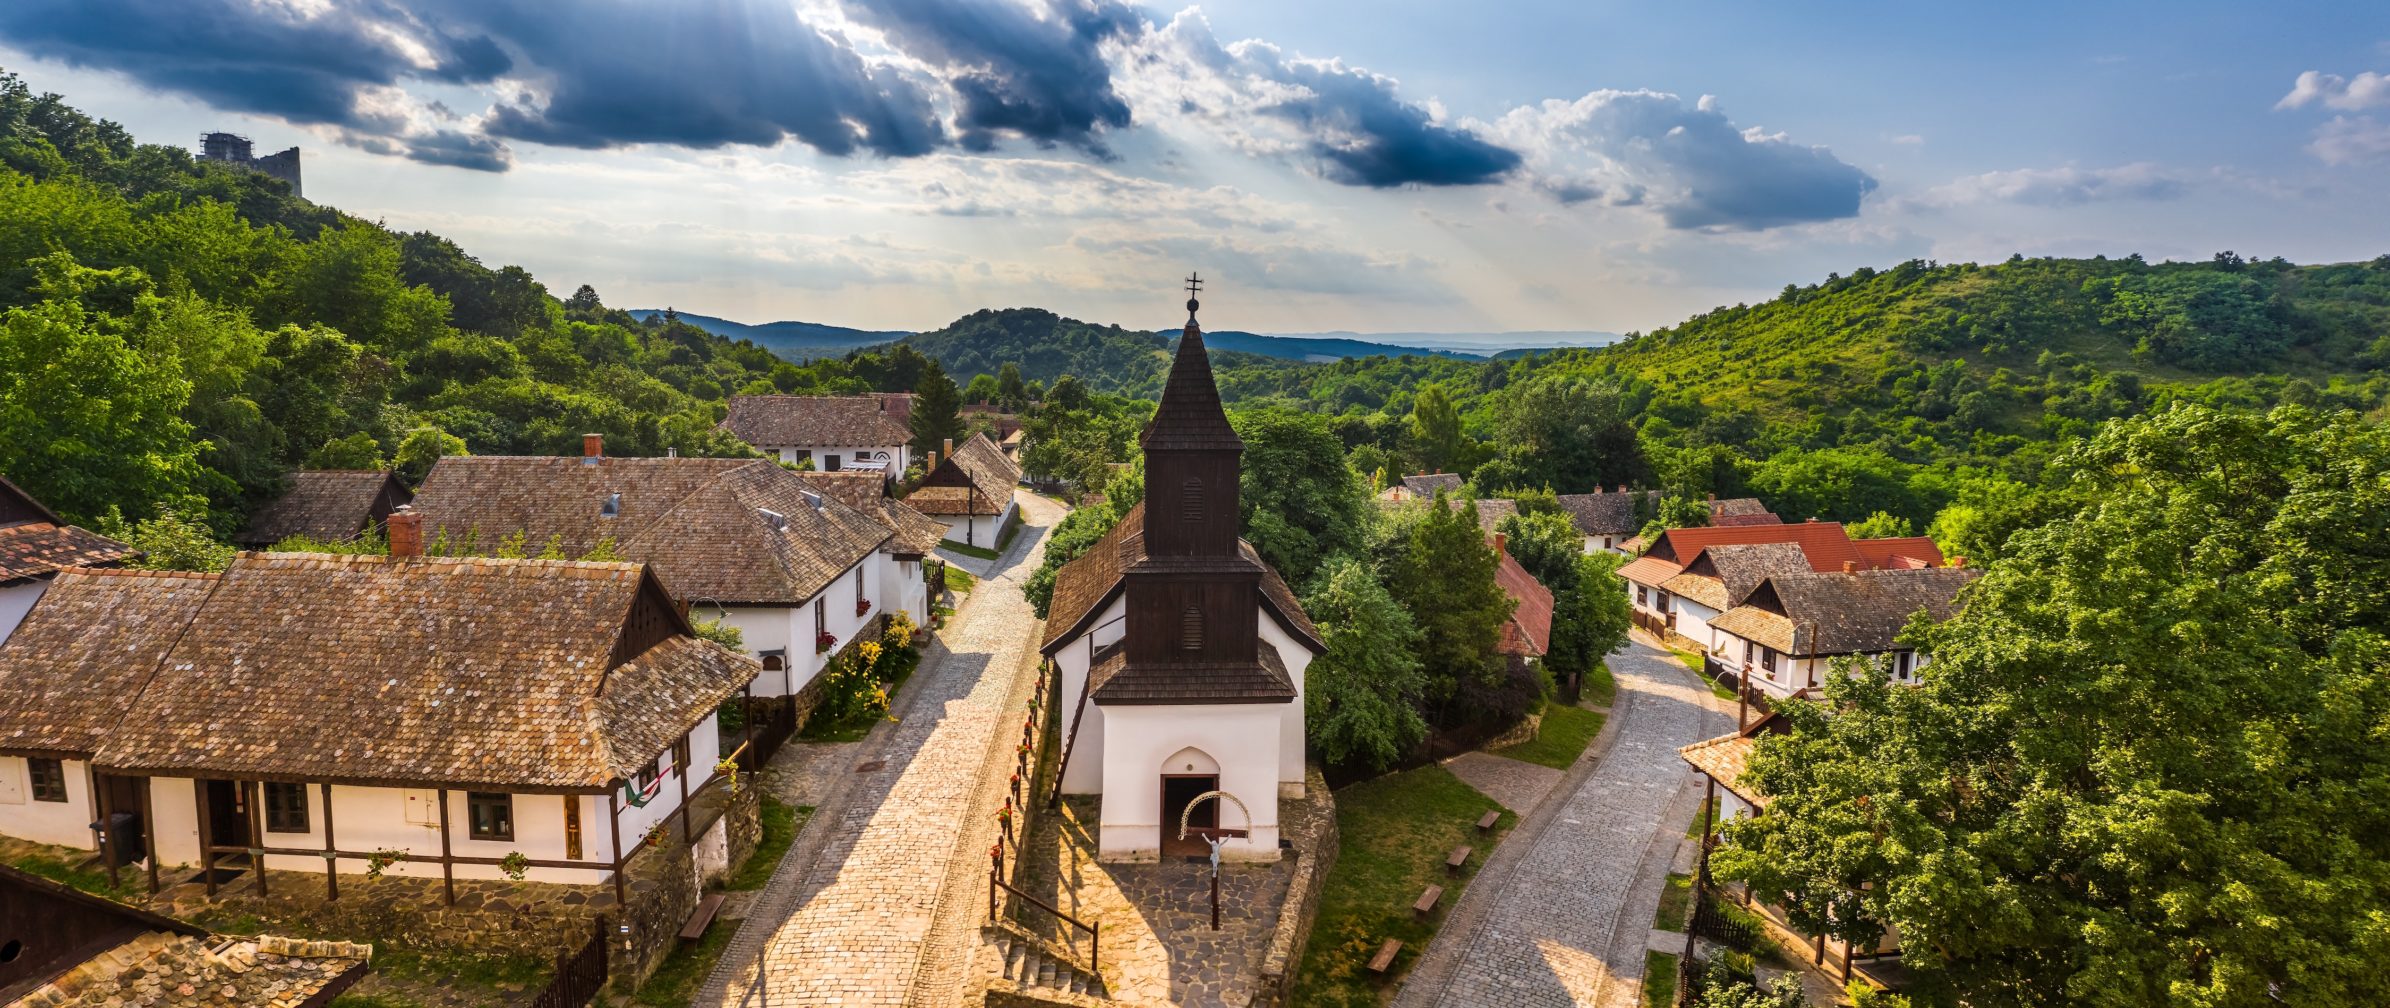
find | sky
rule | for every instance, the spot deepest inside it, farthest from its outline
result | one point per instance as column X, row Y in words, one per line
column 1394, row 165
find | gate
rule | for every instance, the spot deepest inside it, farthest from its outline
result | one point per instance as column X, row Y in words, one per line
column 579, row 976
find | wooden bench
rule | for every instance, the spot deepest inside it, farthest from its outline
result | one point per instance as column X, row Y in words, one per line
column 701, row 919
column 1384, row 960
column 1427, row 901
column 1485, row 824
column 1455, row 861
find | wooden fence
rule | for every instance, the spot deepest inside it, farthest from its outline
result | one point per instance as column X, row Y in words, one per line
column 579, row 976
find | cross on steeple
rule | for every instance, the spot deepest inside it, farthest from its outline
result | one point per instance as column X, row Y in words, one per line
column 1194, row 283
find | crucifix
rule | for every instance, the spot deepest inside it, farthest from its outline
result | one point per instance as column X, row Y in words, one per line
column 1213, row 835
column 1194, row 284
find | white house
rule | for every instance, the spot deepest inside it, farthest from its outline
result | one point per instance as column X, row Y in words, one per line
column 739, row 540
column 913, row 538
column 1181, row 654
column 835, row 433
column 35, row 544
column 314, row 712
column 1421, row 486
column 1676, row 590
column 969, row 487
column 1785, row 634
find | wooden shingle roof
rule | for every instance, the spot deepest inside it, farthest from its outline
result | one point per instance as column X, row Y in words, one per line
column 1832, row 613
column 1723, row 759
column 1115, row 680
column 1426, row 484
column 866, row 421
column 1610, row 514
column 38, row 549
column 702, row 523
column 977, row 479
column 1083, row 586
column 327, row 505
column 914, row 534
column 519, row 675
column 85, row 651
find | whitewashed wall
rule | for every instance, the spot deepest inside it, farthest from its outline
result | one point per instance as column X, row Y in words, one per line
column 1241, row 738
column 16, row 600
column 1290, row 717
column 790, row 630
column 66, row 823
column 898, row 456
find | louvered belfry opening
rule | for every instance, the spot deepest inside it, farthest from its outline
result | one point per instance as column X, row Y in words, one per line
column 1194, row 596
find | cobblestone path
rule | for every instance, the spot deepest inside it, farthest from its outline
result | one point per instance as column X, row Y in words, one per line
column 852, row 915
column 1569, row 906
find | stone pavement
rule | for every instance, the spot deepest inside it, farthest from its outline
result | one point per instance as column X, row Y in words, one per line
column 868, row 906
column 1561, row 914
column 1517, row 784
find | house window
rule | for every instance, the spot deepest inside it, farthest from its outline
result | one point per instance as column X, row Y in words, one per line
column 829, row 463
column 1643, row 596
column 49, row 779
column 612, row 508
column 1190, row 629
column 1767, row 660
column 1663, row 603
column 490, row 816
column 858, row 587
column 286, row 807
column 821, row 617
column 1904, row 665
column 680, row 756
column 646, row 780
column 1190, row 500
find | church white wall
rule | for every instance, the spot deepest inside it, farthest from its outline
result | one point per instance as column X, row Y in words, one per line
column 1085, row 774
column 1241, row 738
column 1290, row 717
column 66, row 823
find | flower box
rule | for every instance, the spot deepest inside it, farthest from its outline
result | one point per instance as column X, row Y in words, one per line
column 824, row 642
column 862, row 606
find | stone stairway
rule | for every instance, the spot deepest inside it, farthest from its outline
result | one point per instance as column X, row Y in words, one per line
column 1034, row 969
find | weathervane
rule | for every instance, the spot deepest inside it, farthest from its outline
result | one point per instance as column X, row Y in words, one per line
column 1194, row 283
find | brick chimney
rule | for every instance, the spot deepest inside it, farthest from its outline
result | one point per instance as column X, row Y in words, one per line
column 593, row 448
column 1958, row 561
column 1501, row 542
column 1622, row 488
column 949, row 447
column 931, row 465
column 1850, row 566
column 1710, row 496
column 405, row 529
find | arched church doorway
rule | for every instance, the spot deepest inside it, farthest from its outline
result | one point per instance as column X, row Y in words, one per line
column 1187, row 773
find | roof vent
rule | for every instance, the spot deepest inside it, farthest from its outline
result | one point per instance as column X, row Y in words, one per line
column 613, row 506
column 778, row 521
column 812, row 500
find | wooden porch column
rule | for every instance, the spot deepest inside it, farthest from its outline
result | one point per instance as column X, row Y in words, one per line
column 149, row 833
column 207, row 837
column 331, row 864
column 614, row 829
column 257, row 831
column 685, row 838
column 447, row 866
column 99, row 801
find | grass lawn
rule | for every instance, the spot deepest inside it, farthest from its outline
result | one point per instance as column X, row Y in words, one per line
column 1393, row 834
column 1708, row 816
column 960, row 580
column 1659, row 979
column 1601, row 688
column 1561, row 739
column 133, row 884
column 676, row 981
column 968, row 550
column 1692, row 660
column 781, row 821
column 404, row 976
column 1676, row 903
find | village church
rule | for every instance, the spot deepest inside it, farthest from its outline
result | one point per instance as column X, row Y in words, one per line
column 1181, row 652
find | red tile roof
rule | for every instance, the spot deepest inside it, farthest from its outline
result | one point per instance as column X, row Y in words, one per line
column 1528, row 631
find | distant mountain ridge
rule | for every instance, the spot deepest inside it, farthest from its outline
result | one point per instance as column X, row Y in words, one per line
column 795, row 341
column 1309, row 349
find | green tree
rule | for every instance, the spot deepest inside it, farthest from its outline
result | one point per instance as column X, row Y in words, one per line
column 421, row 449
column 1840, row 484
column 1589, row 618
column 1436, row 431
column 1361, row 696
column 169, row 542
column 1546, row 544
column 356, row 451
column 1011, row 392
column 1443, row 573
column 2145, row 765
column 90, row 422
column 1300, row 503
column 1571, row 433
column 1882, row 525
column 937, row 411
column 981, row 390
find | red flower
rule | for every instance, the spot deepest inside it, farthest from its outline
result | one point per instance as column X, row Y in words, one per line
column 862, row 606
column 824, row 642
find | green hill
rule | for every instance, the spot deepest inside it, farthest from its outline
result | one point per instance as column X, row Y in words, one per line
column 1107, row 358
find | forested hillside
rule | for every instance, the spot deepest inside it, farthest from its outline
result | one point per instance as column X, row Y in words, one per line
column 176, row 334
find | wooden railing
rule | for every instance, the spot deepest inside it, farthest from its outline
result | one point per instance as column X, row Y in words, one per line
column 1095, row 951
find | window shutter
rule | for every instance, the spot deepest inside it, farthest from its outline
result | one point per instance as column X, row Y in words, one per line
column 1190, row 500
column 1190, row 629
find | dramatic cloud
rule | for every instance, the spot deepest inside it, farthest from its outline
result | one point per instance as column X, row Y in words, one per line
column 2366, row 90
column 2063, row 186
column 1690, row 163
column 1014, row 71
column 1349, row 121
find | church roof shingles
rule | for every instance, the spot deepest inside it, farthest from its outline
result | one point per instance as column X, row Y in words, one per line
column 1082, row 585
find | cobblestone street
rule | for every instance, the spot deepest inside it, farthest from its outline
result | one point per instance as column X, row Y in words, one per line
column 1563, row 911
column 863, row 910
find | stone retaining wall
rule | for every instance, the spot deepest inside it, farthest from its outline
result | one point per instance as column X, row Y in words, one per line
column 1524, row 731
column 1314, row 834
column 666, row 881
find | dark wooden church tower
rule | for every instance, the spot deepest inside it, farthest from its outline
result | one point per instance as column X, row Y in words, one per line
column 1193, row 597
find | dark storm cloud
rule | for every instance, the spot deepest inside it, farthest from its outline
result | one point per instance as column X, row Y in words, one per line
column 1034, row 73
column 1369, row 137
